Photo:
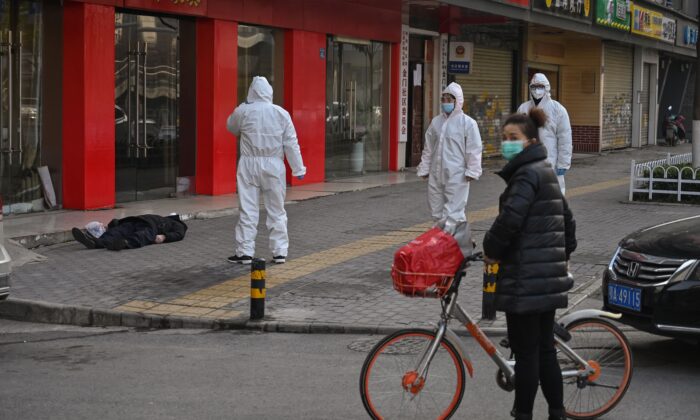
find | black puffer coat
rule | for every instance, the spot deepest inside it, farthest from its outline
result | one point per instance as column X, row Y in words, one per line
column 532, row 237
column 172, row 227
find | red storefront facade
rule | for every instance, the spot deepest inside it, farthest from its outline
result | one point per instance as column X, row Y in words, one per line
column 88, row 83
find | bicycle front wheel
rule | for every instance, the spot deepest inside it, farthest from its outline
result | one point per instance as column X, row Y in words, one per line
column 391, row 389
column 607, row 350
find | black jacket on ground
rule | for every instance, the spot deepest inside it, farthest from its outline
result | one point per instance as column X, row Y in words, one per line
column 532, row 236
column 171, row 226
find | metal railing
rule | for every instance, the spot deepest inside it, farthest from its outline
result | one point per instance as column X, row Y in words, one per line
column 642, row 179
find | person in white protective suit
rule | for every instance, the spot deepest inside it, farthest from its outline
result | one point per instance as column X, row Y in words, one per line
column 556, row 134
column 451, row 158
column 266, row 135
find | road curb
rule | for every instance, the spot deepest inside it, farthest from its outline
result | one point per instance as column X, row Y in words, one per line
column 54, row 313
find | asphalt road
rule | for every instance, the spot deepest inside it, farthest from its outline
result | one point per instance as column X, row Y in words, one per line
column 53, row 371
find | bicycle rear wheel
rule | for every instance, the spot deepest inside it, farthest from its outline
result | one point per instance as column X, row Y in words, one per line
column 389, row 385
column 607, row 350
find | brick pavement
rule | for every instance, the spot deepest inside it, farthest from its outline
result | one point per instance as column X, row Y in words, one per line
column 326, row 287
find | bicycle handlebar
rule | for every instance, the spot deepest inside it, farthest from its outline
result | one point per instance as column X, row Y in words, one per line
column 477, row 256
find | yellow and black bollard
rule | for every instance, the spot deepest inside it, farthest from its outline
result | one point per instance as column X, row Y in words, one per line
column 488, row 304
column 257, row 289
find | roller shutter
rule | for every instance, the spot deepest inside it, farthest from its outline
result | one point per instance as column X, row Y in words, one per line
column 488, row 94
column 617, row 96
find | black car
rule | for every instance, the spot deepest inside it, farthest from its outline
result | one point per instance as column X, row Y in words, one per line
column 654, row 279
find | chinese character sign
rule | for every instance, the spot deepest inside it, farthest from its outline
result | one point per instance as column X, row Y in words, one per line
column 579, row 9
column 403, row 86
column 443, row 61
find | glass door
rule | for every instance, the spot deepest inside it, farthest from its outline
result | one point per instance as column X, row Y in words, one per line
column 147, row 87
column 20, row 105
column 354, row 108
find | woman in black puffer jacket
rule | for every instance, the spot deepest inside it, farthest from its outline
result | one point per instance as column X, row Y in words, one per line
column 531, row 238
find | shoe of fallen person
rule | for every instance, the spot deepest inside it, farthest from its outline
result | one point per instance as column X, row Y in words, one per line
column 279, row 259
column 79, row 236
column 244, row 259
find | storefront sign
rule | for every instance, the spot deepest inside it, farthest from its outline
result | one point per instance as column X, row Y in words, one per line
column 460, row 58
column 186, row 7
column 686, row 34
column 521, row 3
column 613, row 14
column 578, row 9
column 647, row 22
column 188, row 2
column 403, row 86
column 668, row 30
column 690, row 35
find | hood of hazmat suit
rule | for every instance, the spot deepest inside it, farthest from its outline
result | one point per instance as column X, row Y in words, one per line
column 556, row 134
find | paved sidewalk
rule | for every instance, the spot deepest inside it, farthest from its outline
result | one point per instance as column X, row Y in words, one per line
column 337, row 276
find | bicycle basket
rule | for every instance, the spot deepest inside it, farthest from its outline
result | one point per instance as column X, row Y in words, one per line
column 420, row 284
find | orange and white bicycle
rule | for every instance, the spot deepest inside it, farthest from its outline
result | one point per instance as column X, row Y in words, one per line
column 420, row 373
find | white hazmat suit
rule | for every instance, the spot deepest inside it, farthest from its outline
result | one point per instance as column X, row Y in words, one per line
column 451, row 153
column 556, row 134
column 266, row 135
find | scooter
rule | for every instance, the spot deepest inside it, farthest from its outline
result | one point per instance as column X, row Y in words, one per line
column 673, row 126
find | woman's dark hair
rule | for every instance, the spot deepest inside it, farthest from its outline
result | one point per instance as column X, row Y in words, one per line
column 528, row 123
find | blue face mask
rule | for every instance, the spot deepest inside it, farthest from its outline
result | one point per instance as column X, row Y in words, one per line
column 448, row 107
column 510, row 148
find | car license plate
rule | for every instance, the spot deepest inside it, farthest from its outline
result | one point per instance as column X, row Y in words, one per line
column 625, row 296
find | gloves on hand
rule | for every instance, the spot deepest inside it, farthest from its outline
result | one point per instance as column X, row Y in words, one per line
column 561, row 171
column 300, row 177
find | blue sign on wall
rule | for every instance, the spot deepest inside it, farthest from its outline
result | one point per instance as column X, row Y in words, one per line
column 458, row 67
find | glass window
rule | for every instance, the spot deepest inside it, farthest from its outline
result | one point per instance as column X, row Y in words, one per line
column 260, row 53
column 21, row 36
column 354, row 101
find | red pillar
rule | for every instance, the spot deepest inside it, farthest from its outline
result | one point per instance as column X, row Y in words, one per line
column 88, row 106
column 305, row 98
column 394, row 107
column 217, row 60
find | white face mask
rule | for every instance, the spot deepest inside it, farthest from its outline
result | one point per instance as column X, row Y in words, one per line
column 537, row 93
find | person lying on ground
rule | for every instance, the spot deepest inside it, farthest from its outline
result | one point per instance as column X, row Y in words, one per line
column 132, row 232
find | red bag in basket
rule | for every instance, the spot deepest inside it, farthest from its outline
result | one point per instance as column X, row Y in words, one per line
column 425, row 260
